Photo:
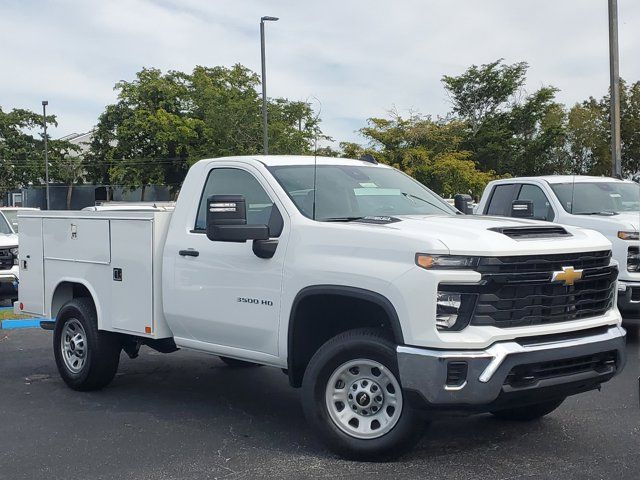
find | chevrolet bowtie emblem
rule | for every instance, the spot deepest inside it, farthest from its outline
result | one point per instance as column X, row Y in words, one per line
column 568, row 275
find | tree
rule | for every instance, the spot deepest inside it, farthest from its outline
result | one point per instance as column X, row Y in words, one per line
column 484, row 91
column 164, row 122
column 429, row 150
column 589, row 133
column 507, row 130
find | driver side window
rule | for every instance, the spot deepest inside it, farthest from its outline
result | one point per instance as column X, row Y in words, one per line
column 233, row 181
column 542, row 209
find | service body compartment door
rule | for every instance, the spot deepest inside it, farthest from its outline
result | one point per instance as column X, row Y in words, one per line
column 76, row 240
column 31, row 290
column 132, row 270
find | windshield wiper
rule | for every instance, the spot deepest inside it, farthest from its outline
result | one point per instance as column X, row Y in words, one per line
column 409, row 195
column 609, row 214
column 341, row 219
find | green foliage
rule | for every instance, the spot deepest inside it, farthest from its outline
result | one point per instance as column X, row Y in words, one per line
column 589, row 133
column 163, row 123
column 22, row 152
column 429, row 150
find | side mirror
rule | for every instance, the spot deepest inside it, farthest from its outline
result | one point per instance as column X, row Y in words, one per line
column 522, row 209
column 227, row 220
column 463, row 203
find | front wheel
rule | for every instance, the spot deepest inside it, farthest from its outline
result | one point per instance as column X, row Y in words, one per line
column 353, row 399
column 86, row 357
column 529, row 412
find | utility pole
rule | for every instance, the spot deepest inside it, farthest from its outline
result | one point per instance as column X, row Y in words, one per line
column 46, row 149
column 614, row 63
column 265, row 132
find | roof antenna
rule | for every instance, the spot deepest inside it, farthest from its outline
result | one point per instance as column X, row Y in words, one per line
column 315, row 157
column 315, row 175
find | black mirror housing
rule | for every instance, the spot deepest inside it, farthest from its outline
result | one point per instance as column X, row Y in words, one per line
column 462, row 202
column 227, row 220
column 522, row 209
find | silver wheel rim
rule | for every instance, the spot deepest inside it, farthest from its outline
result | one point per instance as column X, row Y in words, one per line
column 364, row 399
column 73, row 344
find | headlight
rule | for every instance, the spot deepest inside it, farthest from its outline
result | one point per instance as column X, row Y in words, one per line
column 14, row 252
column 453, row 310
column 629, row 235
column 445, row 261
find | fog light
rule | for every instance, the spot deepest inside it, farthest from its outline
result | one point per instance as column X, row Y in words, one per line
column 447, row 309
column 453, row 310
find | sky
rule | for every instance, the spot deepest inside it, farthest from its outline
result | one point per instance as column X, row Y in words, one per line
column 352, row 59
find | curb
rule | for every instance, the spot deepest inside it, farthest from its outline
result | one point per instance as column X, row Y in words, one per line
column 12, row 324
column 21, row 323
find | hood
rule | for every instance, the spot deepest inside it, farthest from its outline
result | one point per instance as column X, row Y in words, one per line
column 8, row 240
column 609, row 225
column 481, row 235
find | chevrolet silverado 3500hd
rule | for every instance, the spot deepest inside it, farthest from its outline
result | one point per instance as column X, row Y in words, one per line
column 375, row 296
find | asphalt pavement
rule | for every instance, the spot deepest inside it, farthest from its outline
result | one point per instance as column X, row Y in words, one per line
column 188, row 416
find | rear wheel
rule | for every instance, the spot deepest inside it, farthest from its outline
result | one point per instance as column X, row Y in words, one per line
column 529, row 412
column 86, row 357
column 235, row 363
column 352, row 397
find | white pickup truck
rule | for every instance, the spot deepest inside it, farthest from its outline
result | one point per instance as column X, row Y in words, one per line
column 607, row 205
column 8, row 260
column 373, row 294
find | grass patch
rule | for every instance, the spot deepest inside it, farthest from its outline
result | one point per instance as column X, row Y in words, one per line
column 9, row 315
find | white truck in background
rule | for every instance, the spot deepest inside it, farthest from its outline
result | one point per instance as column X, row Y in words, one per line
column 8, row 260
column 607, row 205
column 376, row 297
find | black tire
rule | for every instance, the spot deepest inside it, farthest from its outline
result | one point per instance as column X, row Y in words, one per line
column 235, row 363
column 528, row 412
column 367, row 344
column 101, row 352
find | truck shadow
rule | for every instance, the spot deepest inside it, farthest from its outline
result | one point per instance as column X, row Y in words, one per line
column 256, row 408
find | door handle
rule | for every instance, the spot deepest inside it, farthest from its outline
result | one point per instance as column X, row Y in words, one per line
column 189, row 253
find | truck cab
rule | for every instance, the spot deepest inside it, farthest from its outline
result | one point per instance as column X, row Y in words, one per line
column 607, row 205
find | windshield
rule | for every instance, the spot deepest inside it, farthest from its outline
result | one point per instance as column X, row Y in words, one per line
column 12, row 218
column 4, row 225
column 350, row 192
column 593, row 198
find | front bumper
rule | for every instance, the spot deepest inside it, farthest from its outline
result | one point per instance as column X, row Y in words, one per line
column 629, row 298
column 424, row 372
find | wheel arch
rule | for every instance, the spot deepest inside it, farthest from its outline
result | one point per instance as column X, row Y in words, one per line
column 69, row 288
column 297, row 365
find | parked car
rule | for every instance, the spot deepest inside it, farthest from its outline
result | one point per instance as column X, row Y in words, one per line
column 608, row 205
column 11, row 214
column 372, row 294
column 8, row 260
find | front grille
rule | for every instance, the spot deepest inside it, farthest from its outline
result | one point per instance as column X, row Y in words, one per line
column 517, row 291
column 524, row 375
column 6, row 259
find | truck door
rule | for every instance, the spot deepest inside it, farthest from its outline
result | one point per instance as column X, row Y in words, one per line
column 222, row 295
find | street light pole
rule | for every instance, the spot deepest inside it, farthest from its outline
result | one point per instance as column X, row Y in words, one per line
column 265, row 132
column 46, row 149
column 614, row 63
